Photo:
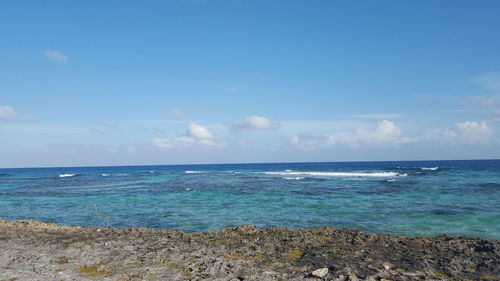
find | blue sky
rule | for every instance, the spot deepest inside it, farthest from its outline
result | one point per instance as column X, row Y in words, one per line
column 218, row 81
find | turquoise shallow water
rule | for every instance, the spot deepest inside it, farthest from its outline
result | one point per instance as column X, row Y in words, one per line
column 400, row 198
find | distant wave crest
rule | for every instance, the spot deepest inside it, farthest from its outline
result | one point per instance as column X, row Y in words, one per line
column 66, row 175
column 429, row 169
column 293, row 178
column 194, row 172
column 337, row 174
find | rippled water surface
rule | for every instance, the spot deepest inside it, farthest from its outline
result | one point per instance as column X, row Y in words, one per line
column 399, row 198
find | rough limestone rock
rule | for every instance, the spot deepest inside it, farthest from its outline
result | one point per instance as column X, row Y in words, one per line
column 386, row 265
column 320, row 272
column 36, row 251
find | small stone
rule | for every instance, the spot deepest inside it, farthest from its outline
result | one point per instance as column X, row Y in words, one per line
column 320, row 272
column 386, row 265
column 340, row 278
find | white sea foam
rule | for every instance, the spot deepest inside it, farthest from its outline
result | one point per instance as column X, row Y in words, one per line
column 429, row 169
column 66, row 175
column 293, row 178
column 105, row 175
column 151, row 172
column 391, row 180
column 194, row 172
column 338, row 174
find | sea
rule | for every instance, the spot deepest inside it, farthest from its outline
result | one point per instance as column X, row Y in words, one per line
column 410, row 198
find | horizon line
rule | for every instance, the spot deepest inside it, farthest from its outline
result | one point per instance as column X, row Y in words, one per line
column 246, row 163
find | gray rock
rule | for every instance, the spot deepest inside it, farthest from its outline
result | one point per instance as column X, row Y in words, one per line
column 38, row 251
column 386, row 265
column 320, row 272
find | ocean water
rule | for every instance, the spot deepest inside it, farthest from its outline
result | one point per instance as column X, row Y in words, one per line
column 418, row 198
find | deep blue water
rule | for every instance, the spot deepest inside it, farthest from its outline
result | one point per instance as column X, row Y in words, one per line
column 418, row 198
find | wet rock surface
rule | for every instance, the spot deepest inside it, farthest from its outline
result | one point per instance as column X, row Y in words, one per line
column 32, row 250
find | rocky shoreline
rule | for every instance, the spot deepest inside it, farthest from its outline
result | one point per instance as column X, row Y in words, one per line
column 31, row 250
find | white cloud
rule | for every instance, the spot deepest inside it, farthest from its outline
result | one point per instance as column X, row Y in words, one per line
column 309, row 141
column 189, row 141
column 255, row 123
column 199, row 132
column 162, row 143
column 386, row 132
column 468, row 132
column 177, row 113
column 7, row 112
column 195, row 135
column 56, row 56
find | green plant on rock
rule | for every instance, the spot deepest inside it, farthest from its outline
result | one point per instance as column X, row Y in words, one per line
column 94, row 271
column 225, row 242
column 490, row 277
column 296, row 254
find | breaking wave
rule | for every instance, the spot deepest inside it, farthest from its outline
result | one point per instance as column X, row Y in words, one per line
column 429, row 169
column 293, row 178
column 66, row 175
column 337, row 174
